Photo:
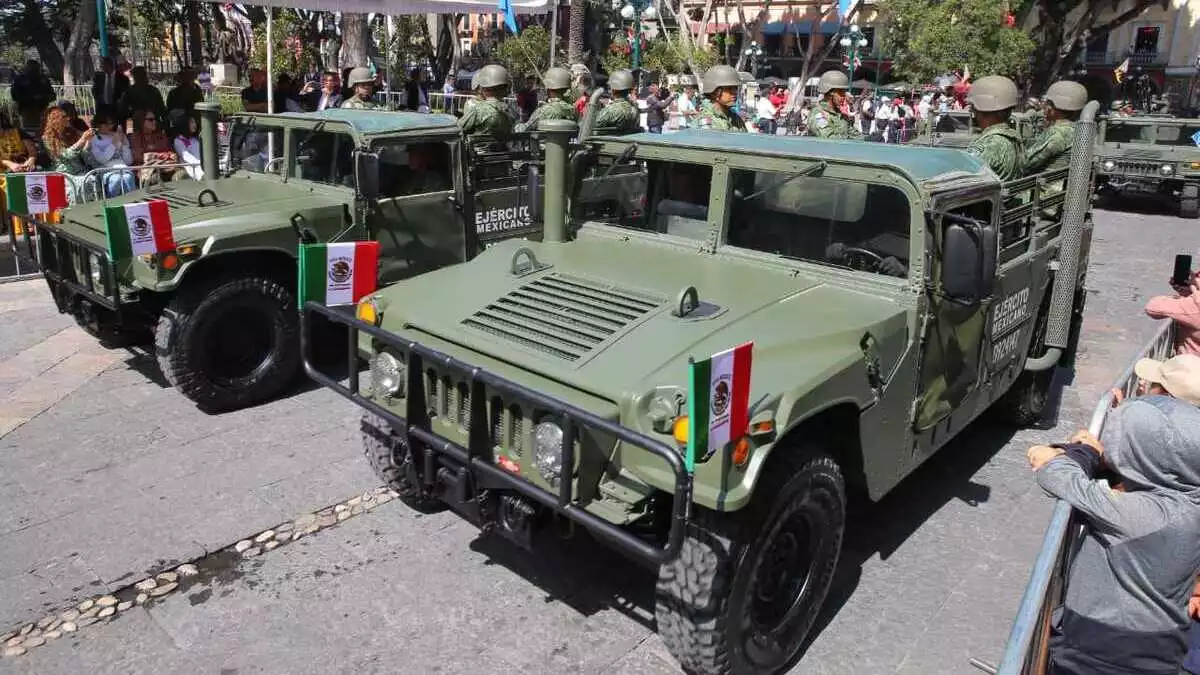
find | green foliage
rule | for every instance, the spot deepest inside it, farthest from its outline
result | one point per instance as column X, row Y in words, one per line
column 528, row 53
column 669, row 56
column 293, row 54
column 618, row 55
column 929, row 38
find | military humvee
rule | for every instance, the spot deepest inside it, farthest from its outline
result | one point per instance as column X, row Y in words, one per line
column 892, row 294
column 1152, row 154
column 222, row 307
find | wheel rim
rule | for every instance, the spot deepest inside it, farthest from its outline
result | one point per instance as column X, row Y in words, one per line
column 237, row 344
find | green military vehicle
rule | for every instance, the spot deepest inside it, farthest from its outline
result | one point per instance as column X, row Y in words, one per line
column 892, row 295
column 1152, row 154
column 222, row 307
column 956, row 128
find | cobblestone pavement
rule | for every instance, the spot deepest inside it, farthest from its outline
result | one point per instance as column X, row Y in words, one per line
column 107, row 477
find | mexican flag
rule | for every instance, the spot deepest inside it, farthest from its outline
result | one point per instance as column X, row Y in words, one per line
column 338, row 274
column 140, row 228
column 718, row 402
column 30, row 193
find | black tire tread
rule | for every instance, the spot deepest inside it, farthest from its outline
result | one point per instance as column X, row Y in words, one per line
column 377, row 448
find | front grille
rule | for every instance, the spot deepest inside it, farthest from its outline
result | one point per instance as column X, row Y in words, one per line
column 450, row 401
column 70, row 260
column 1138, row 168
column 562, row 315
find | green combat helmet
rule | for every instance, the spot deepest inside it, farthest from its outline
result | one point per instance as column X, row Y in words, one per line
column 832, row 80
column 993, row 94
column 720, row 76
column 1067, row 96
column 490, row 76
column 621, row 80
column 361, row 76
column 556, row 79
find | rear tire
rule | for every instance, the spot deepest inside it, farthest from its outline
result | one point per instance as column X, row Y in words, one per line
column 230, row 343
column 763, row 570
column 380, row 445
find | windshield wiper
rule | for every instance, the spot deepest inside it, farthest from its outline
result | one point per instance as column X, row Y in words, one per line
column 814, row 169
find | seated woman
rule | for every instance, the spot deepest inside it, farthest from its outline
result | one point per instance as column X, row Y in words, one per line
column 187, row 146
column 68, row 152
column 152, row 150
column 110, row 150
column 17, row 152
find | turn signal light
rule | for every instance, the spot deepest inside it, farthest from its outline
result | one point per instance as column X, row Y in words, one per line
column 1196, row 165
column 170, row 261
column 680, row 430
column 366, row 313
column 741, row 452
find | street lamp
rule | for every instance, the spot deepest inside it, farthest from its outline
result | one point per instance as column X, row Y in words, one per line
column 754, row 52
column 638, row 11
column 852, row 41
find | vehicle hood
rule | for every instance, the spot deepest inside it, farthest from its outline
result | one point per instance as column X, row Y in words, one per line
column 243, row 206
column 600, row 313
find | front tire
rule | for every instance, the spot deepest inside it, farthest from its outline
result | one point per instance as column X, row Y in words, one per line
column 380, row 446
column 230, row 343
column 746, row 588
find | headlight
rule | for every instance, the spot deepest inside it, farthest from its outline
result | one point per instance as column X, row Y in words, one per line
column 1109, row 165
column 97, row 272
column 547, row 451
column 387, row 375
column 1167, row 169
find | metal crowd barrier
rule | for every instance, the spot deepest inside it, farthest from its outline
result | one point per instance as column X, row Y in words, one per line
column 90, row 186
column 1027, row 651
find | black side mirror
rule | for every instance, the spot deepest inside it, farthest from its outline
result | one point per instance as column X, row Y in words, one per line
column 968, row 259
column 533, row 189
column 366, row 174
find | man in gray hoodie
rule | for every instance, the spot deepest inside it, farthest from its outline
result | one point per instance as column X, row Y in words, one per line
column 1129, row 585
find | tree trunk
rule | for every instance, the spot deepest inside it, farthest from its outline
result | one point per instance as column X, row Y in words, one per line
column 79, row 68
column 195, row 38
column 43, row 38
column 577, row 20
column 355, row 49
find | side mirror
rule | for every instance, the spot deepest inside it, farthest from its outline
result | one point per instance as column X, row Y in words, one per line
column 533, row 189
column 366, row 174
column 968, row 260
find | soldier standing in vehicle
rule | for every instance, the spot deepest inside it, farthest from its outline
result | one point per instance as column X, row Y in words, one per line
column 720, row 85
column 826, row 119
column 363, row 84
column 557, row 105
column 489, row 116
column 621, row 116
column 992, row 100
column 1052, row 148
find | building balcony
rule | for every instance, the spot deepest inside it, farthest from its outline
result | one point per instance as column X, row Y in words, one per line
column 1146, row 59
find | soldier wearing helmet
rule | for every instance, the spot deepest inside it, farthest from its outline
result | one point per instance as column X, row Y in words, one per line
column 363, row 83
column 489, row 116
column 557, row 106
column 826, row 119
column 621, row 116
column 1051, row 149
column 992, row 100
column 720, row 86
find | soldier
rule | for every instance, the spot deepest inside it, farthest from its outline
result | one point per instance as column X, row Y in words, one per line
column 826, row 119
column 363, row 83
column 489, row 116
column 992, row 100
column 621, row 116
column 720, row 85
column 557, row 106
column 1051, row 149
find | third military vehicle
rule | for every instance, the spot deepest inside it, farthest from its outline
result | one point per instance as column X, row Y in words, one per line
column 1156, row 155
column 891, row 294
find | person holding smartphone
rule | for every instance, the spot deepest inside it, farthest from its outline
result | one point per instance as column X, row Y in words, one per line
column 1183, row 307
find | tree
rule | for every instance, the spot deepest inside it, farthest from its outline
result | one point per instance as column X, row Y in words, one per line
column 669, row 55
column 79, row 67
column 576, row 31
column 527, row 53
column 1061, row 30
column 355, row 37
column 930, row 38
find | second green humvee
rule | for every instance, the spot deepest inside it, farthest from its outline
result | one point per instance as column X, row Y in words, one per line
column 892, row 295
column 1151, row 154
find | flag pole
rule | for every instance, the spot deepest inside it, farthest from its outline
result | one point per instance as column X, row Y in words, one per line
column 689, row 453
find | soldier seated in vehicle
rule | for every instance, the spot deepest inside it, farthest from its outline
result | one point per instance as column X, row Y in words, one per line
column 683, row 208
column 413, row 169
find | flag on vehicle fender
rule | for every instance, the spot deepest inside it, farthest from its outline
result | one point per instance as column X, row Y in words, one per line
column 338, row 274
column 30, row 193
column 718, row 402
column 140, row 228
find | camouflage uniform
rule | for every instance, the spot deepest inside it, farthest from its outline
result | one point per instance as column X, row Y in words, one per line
column 1000, row 147
column 620, row 116
column 356, row 103
column 554, row 109
column 717, row 120
column 1052, row 149
column 359, row 76
column 488, row 117
column 825, row 122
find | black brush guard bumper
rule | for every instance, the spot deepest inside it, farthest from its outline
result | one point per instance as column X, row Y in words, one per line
column 477, row 456
column 56, row 253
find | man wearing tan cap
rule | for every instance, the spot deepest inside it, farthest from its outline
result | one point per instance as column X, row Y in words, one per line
column 1178, row 376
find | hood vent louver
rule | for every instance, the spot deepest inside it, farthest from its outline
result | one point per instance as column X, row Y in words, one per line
column 562, row 315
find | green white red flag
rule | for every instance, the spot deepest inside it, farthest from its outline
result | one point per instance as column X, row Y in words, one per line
column 30, row 193
column 718, row 402
column 140, row 228
column 338, row 274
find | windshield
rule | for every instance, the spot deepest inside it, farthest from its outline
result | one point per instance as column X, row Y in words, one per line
column 249, row 144
column 1178, row 135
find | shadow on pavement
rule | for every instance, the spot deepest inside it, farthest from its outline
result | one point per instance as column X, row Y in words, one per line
column 1139, row 203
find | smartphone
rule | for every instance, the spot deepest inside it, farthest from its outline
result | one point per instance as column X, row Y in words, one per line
column 1183, row 270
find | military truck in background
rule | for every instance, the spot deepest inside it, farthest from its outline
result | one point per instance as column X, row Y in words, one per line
column 222, row 308
column 892, row 295
column 1153, row 155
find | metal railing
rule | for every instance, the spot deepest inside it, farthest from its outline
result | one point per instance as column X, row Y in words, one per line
column 85, row 103
column 91, row 186
column 1027, row 650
